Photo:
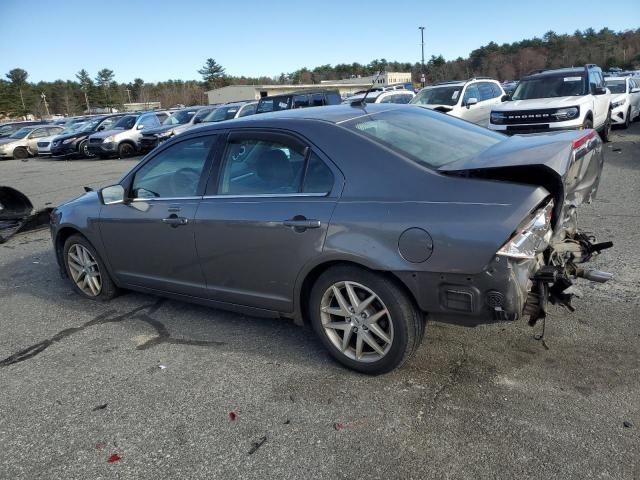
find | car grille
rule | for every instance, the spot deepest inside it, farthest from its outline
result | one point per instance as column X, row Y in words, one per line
column 95, row 140
column 528, row 128
column 43, row 144
column 528, row 116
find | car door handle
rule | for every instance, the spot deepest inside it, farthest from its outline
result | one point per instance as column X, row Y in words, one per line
column 175, row 221
column 301, row 223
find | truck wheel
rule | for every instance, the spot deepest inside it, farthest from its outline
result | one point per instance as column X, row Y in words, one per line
column 20, row 153
column 366, row 321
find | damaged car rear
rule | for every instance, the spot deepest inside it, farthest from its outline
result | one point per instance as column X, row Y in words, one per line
column 363, row 221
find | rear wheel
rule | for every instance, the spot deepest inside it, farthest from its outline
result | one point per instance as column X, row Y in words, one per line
column 86, row 270
column 366, row 321
column 126, row 150
column 20, row 153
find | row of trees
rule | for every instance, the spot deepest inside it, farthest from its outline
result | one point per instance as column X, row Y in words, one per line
column 19, row 97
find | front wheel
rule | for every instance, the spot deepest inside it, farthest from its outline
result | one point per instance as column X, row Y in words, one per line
column 365, row 320
column 83, row 150
column 126, row 150
column 86, row 270
column 627, row 118
column 606, row 129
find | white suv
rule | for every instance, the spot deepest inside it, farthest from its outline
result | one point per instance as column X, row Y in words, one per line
column 625, row 99
column 470, row 100
column 563, row 99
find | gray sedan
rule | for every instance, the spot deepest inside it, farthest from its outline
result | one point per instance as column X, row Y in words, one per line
column 360, row 220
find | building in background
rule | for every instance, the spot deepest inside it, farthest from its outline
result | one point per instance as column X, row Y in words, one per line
column 385, row 79
column 141, row 106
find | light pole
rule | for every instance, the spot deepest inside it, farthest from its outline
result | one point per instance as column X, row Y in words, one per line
column 422, row 76
column 129, row 94
column 44, row 99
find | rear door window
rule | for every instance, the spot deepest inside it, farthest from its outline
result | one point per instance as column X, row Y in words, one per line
column 486, row 91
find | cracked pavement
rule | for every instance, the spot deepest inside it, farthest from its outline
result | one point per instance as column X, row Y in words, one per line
column 489, row 402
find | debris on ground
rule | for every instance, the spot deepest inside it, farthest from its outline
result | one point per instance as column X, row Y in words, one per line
column 349, row 425
column 16, row 216
column 162, row 367
column 257, row 444
column 114, row 458
column 232, row 416
column 99, row 407
column 100, row 445
column 627, row 424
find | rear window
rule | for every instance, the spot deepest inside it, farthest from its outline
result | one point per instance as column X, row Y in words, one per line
column 428, row 138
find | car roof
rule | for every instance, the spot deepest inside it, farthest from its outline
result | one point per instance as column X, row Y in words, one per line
column 301, row 92
column 616, row 78
column 557, row 72
column 332, row 114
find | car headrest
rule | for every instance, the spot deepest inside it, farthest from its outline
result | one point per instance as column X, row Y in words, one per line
column 273, row 166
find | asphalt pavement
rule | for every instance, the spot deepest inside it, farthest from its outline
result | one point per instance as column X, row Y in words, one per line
column 142, row 387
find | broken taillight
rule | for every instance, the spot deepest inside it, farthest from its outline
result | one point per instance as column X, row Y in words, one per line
column 580, row 141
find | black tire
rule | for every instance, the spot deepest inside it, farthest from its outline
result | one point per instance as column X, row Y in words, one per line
column 605, row 133
column 408, row 322
column 83, row 150
column 126, row 150
column 108, row 289
column 627, row 119
column 20, row 153
column 587, row 124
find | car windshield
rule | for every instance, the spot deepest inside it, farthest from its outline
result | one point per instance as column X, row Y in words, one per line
column 180, row 117
column 71, row 128
column 222, row 113
column 438, row 96
column 90, row 126
column 616, row 86
column 551, row 86
column 428, row 138
column 23, row 132
column 126, row 123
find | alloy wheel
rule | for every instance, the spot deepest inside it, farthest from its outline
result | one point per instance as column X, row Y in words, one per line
column 84, row 270
column 356, row 321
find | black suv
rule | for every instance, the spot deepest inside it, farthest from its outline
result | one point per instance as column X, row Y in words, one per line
column 303, row 99
column 75, row 144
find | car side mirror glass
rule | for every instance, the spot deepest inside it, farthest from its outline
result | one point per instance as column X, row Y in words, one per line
column 471, row 101
column 635, row 90
column 197, row 120
column 140, row 127
column 599, row 91
column 112, row 194
column 506, row 97
column 100, row 128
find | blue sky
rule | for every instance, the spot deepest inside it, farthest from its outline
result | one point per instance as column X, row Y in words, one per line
column 159, row 40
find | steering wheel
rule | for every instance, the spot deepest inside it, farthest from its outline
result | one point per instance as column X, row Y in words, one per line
column 185, row 182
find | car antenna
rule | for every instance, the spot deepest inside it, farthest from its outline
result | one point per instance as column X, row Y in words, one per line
column 361, row 102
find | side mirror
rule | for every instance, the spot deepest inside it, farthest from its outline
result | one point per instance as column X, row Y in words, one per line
column 112, row 194
column 101, row 127
column 140, row 127
column 197, row 120
column 506, row 97
column 599, row 91
column 635, row 90
column 471, row 101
